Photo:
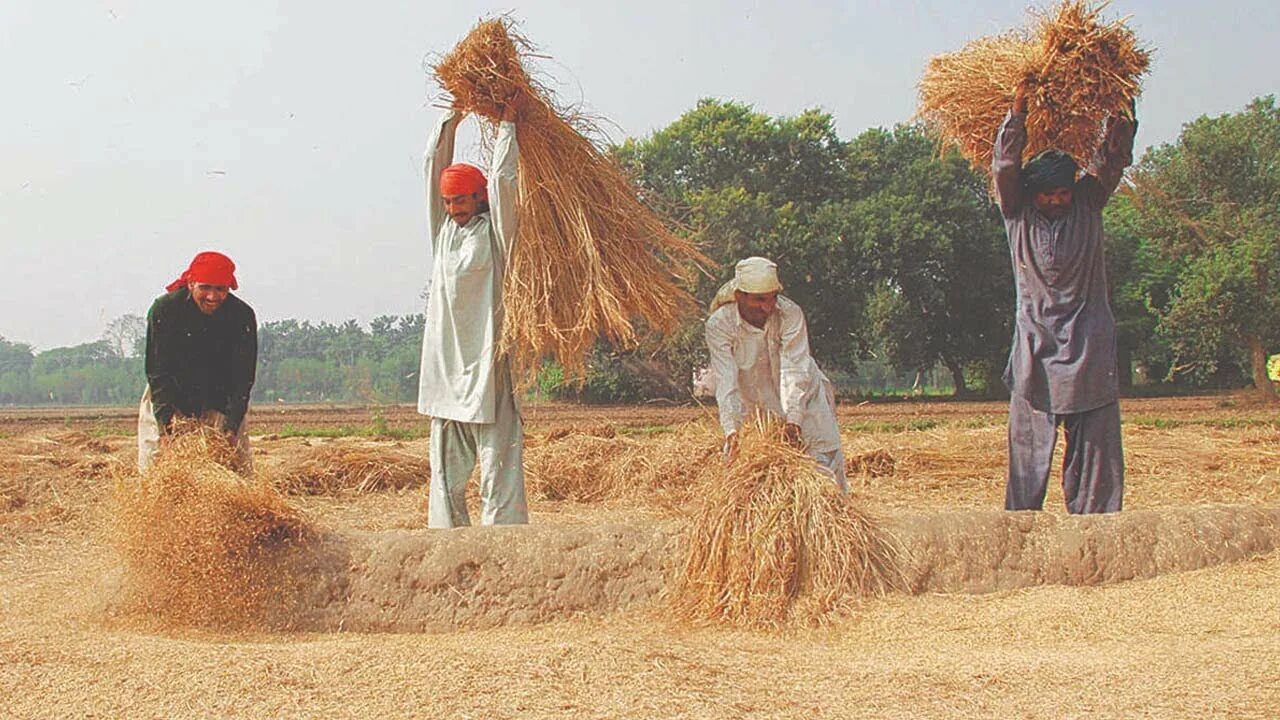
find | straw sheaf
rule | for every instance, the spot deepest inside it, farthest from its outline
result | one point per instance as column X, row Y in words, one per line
column 774, row 542
column 197, row 539
column 662, row 471
column 591, row 259
column 340, row 468
column 1086, row 70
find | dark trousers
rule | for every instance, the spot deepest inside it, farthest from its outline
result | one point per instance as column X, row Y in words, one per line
column 1092, row 463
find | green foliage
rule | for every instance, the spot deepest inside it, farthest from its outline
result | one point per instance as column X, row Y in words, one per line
column 886, row 246
column 1142, row 279
column 896, row 254
column 297, row 362
column 611, row 377
column 935, row 247
column 16, row 360
column 1211, row 203
column 379, row 430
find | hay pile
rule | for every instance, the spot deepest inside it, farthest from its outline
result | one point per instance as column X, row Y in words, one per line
column 339, row 468
column 47, row 478
column 600, row 430
column 1085, row 70
column 774, row 542
column 14, row 494
column 197, row 540
column 590, row 258
column 877, row 463
column 661, row 471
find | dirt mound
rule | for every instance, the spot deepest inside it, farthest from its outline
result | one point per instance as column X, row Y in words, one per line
column 414, row 580
column 411, row 581
column 474, row 577
column 980, row 552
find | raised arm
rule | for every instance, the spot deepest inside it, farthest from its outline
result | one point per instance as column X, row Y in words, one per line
column 1115, row 154
column 439, row 155
column 503, row 189
column 1006, row 160
column 725, row 370
column 796, row 365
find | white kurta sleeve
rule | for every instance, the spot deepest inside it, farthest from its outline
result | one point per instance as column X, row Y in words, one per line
column 503, row 188
column 796, row 365
column 728, row 396
column 439, row 155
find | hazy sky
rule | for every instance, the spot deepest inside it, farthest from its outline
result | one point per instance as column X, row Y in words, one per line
column 289, row 134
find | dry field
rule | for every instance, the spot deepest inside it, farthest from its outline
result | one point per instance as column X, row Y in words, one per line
column 1200, row 643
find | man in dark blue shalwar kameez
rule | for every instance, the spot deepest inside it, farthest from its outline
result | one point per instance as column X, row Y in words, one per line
column 1062, row 367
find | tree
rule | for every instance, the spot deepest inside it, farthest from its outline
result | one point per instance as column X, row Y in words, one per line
column 724, row 144
column 126, row 336
column 936, row 251
column 76, row 356
column 1141, row 280
column 749, row 184
column 15, row 372
column 1212, row 200
column 884, row 245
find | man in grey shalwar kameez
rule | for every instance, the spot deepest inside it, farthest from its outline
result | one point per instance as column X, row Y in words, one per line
column 1062, row 367
column 465, row 385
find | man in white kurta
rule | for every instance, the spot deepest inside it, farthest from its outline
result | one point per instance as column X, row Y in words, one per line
column 760, row 362
column 465, row 385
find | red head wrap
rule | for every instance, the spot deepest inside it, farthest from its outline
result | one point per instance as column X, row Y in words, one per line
column 463, row 179
column 210, row 268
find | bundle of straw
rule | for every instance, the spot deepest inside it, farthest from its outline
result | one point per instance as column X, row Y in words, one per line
column 877, row 463
column 1085, row 71
column 590, row 258
column 197, row 539
column 775, row 542
column 580, row 468
column 339, row 468
column 600, row 430
column 589, row 468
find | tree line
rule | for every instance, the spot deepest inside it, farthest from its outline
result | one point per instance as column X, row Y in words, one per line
column 895, row 251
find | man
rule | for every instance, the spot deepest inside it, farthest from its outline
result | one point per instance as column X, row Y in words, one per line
column 1062, row 367
column 464, row 384
column 202, row 350
column 760, row 362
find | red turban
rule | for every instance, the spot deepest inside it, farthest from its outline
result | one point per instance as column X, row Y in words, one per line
column 463, row 179
column 210, row 268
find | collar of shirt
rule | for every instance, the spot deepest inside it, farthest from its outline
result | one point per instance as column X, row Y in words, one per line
column 748, row 327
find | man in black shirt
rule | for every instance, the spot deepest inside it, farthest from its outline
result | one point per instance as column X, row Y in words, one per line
column 202, row 349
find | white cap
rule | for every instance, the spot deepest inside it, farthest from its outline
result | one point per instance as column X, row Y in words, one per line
column 756, row 275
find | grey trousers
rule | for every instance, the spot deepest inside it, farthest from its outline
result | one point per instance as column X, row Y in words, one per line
column 1092, row 462
column 500, row 447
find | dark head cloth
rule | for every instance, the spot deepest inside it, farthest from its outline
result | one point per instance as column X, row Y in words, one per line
column 1050, row 169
